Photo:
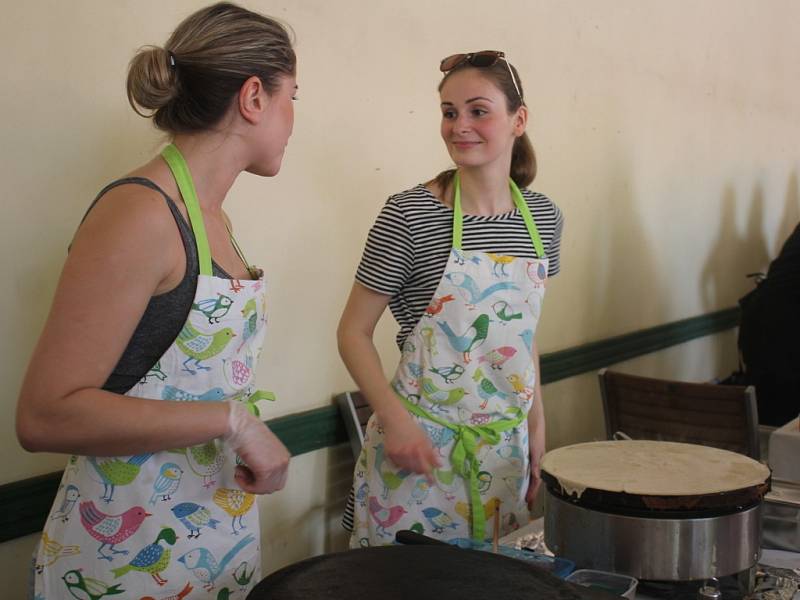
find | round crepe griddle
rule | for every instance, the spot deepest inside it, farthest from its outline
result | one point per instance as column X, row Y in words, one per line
column 682, row 464
column 419, row 572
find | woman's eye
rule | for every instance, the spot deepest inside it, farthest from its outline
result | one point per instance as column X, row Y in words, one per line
column 449, row 114
column 479, row 112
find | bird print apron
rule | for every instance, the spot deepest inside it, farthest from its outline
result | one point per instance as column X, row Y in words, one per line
column 170, row 524
column 467, row 375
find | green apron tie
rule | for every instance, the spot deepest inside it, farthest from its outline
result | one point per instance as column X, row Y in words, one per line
column 463, row 456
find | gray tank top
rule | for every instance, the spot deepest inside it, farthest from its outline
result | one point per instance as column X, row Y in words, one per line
column 165, row 313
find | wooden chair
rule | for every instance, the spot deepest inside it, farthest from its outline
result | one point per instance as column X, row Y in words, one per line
column 355, row 413
column 722, row 416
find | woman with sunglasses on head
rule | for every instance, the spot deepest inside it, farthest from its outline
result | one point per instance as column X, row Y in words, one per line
column 144, row 370
column 462, row 261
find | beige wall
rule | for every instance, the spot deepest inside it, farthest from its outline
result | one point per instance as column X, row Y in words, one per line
column 667, row 132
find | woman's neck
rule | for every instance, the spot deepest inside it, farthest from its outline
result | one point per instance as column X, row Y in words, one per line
column 484, row 192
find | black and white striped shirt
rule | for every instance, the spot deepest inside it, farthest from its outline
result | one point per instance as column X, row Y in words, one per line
column 408, row 246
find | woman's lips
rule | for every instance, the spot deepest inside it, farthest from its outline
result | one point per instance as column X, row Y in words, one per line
column 465, row 145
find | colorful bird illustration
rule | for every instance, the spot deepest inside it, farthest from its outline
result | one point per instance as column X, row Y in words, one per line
column 512, row 454
column 429, row 340
column 437, row 304
column 205, row 460
column 475, row 418
column 51, row 551
column 238, row 372
column 473, row 337
column 236, row 503
column 199, row 346
column 484, row 481
column 504, row 312
column 458, row 257
column 500, row 260
column 88, row 588
column 447, row 481
column 415, row 371
column 520, row 389
column 489, row 507
column 214, row 308
column 110, row 530
column 409, row 347
column 391, row 479
column 470, row 291
column 241, row 576
column 486, row 389
column 438, row 519
column 537, row 273
column 167, row 482
column 514, row 484
column 194, row 517
column 113, row 472
column 250, row 313
column 527, row 338
column 420, row 491
column 204, row 565
column 439, row 436
column 187, row 589
column 170, row 392
column 224, row 594
column 236, row 286
column 71, row 495
column 441, row 397
column 384, row 516
column 498, row 356
column 362, row 493
column 449, row 374
column 153, row 558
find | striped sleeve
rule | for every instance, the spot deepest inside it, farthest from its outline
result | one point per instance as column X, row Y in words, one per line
column 389, row 252
column 553, row 250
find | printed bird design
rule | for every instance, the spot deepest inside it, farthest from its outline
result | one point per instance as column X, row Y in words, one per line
column 438, row 519
column 484, row 481
column 429, row 340
column 170, row 392
column 537, row 273
column 71, row 495
column 236, row 503
column 520, row 389
column 501, row 261
column 187, row 589
column 489, row 508
column 415, row 371
column 204, row 565
column 205, row 460
column 439, row 436
column 458, row 257
column 52, row 550
column 110, row 530
column 437, row 304
column 241, row 576
column 441, row 397
column 498, row 356
column 238, row 372
column 114, row 472
column 449, row 374
column 527, row 338
column 514, row 484
column 512, row 454
column 420, row 491
column 486, row 389
column 475, row 418
column 409, row 347
column 214, row 308
column 199, row 346
column 447, row 481
column 362, row 493
column 155, row 371
column 384, row 516
column 224, row 594
column 194, row 517
column 167, row 482
column 473, row 337
column 470, row 291
column 153, row 558
column 504, row 311
column 391, row 479
column 88, row 588
column 249, row 312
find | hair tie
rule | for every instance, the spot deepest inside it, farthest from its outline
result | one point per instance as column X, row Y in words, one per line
column 171, row 59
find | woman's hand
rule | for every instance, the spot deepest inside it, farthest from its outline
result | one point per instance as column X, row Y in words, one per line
column 266, row 458
column 408, row 446
column 536, row 452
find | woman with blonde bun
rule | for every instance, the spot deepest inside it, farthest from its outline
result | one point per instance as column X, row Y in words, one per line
column 144, row 371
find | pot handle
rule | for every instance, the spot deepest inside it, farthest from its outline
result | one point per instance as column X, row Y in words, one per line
column 412, row 538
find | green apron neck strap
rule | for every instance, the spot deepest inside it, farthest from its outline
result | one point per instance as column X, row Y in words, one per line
column 180, row 171
column 519, row 202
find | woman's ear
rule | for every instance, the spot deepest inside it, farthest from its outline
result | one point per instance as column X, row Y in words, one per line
column 252, row 100
column 520, row 120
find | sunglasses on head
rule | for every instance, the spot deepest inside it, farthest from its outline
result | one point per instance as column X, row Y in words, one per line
column 482, row 59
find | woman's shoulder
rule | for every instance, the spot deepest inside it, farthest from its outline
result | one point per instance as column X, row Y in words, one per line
column 540, row 204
